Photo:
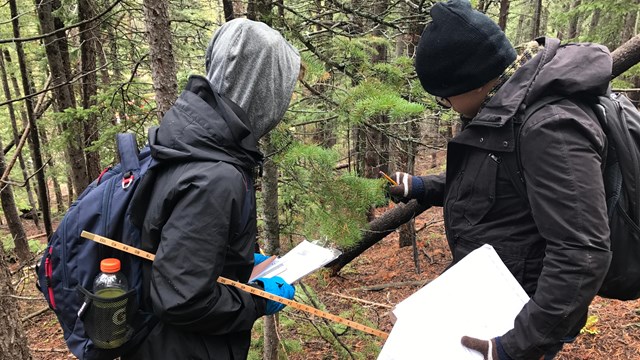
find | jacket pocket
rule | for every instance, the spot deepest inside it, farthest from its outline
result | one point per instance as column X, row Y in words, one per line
column 482, row 184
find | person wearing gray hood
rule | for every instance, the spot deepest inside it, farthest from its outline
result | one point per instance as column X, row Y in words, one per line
column 547, row 222
column 197, row 209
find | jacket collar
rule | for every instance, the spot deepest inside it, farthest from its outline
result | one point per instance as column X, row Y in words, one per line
column 512, row 97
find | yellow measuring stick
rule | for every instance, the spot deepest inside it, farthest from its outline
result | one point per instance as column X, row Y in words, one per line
column 250, row 289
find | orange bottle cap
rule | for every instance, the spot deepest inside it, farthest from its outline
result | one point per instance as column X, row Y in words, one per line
column 110, row 265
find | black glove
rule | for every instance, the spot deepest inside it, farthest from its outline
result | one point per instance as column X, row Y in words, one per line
column 490, row 349
column 409, row 187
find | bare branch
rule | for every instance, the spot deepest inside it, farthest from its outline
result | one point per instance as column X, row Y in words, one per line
column 42, row 36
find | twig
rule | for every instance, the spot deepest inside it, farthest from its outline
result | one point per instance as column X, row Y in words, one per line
column 428, row 256
column 329, row 327
column 362, row 300
column 427, row 225
column 49, row 350
column 393, row 285
column 34, row 314
column 31, row 298
column 36, row 236
column 414, row 246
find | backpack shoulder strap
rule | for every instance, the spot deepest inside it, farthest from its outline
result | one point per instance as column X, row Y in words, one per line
column 128, row 151
column 513, row 161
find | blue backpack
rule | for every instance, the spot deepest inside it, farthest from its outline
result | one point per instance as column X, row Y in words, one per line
column 70, row 263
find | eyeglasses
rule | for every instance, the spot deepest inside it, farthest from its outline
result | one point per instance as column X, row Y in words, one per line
column 444, row 102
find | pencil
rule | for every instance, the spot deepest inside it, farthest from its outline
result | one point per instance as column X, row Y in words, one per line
column 388, row 178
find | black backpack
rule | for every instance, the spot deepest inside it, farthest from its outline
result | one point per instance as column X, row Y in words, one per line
column 620, row 120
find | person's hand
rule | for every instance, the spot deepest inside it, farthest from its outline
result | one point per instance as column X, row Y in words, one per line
column 490, row 349
column 276, row 286
column 409, row 187
column 258, row 258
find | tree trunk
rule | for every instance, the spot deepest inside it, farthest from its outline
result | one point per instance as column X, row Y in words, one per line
column 37, row 156
column 69, row 192
column 376, row 142
column 163, row 67
column 13, row 218
column 57, row 57
column 593, row 24
column 88, row 49
column 13, row 341
column 625, row 56
column 260, row 10
column 504, row 14
column 16, row 140
column 482, row 6
column 407, row 232
column 16, row 135
column 535, row 23
column 628, row 29
column 57, row 191
column 272, row 237
column 227, row 7
column 574, row 30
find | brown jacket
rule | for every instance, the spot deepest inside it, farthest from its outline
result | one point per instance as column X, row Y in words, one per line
column 556, row 244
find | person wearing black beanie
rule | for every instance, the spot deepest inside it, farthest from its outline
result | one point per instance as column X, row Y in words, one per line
column 524, row 174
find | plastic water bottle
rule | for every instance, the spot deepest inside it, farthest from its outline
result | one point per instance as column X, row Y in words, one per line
column 110, row 313
column 110, row 282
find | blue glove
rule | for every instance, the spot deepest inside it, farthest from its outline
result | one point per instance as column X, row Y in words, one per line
column 258, row 258
column 276, row 286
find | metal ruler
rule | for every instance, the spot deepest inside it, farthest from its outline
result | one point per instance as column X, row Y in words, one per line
column 250, row 289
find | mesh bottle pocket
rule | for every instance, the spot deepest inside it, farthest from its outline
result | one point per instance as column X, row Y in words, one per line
column 107, row 319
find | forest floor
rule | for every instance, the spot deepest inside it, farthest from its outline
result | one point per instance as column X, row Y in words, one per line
column 615, row 335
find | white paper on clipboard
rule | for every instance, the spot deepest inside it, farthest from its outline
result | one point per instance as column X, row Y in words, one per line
column 477, row 297
column 303, row 259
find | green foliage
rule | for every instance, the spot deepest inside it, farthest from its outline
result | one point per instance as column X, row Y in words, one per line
column 7, row 241
column 374, row 98
column 324, row 203
column 35, row 245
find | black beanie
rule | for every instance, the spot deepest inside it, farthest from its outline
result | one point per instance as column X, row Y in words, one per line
column 461, row 49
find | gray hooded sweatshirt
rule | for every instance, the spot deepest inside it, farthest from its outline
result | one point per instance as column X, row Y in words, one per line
column 252, row 65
